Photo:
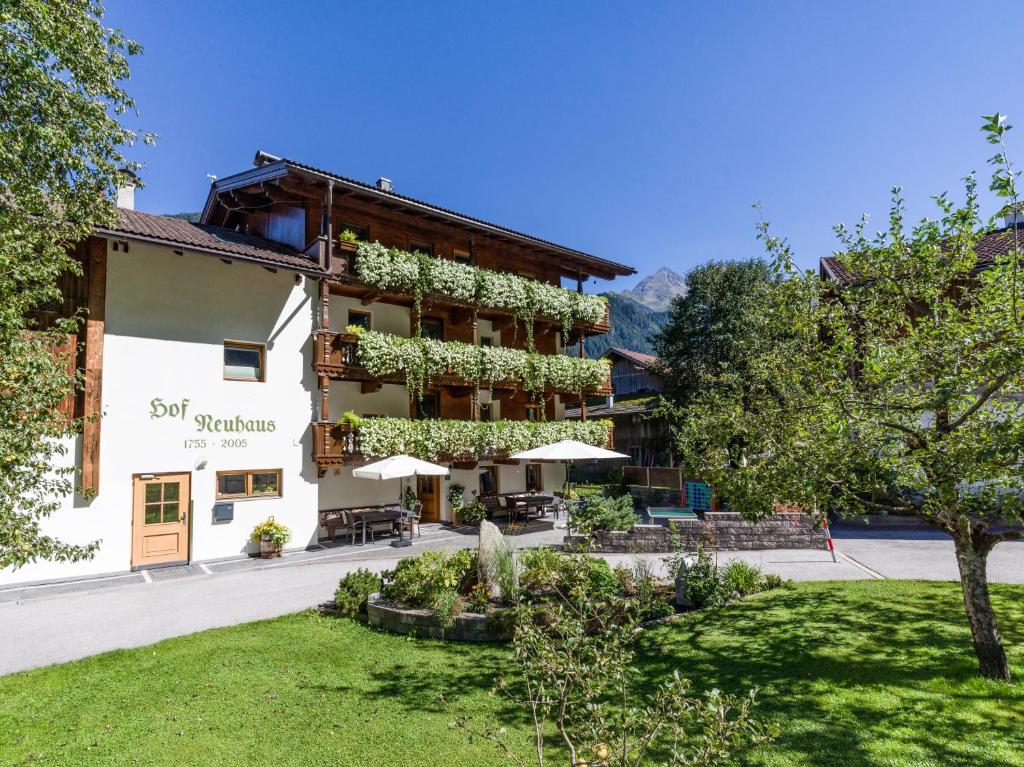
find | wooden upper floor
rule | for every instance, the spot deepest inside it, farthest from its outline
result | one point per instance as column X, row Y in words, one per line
column 308, row 209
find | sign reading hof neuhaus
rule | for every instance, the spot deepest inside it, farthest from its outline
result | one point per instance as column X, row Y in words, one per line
column 207, row 423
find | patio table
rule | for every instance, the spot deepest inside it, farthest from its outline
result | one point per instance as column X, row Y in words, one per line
column 526, row 501
column 363, row 517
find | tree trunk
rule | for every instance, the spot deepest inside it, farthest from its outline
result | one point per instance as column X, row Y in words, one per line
column 972, row 558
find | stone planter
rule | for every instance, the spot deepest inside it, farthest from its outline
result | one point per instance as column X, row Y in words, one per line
column 467, row 627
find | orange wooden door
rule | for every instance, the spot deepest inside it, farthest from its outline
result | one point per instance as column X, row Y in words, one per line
column 428, row 490
column 160, row 519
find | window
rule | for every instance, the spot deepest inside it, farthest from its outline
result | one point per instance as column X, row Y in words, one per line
column 421, row 247
column 359, row 319
column 488, row 480
column 244, row 361
column 162, row 503
column 432, row 327
column 429, row 407
column 261, row 483
column 533, row 412
column 362, row 234
column 486, row 411
column 533, row 477
column 486, row 341
column 463, row 257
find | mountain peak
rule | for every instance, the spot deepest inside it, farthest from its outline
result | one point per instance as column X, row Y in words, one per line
column 657, row 290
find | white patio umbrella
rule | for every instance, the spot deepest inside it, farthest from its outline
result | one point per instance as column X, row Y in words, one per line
column 399, row 467
column 567, row 451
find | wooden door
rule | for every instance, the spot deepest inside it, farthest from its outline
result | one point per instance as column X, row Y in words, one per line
column 428, row 490
column 160, row 519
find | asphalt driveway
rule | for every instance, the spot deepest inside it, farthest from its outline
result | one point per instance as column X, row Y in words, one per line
column 53, row 624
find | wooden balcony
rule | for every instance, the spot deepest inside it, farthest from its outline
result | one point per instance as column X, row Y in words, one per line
column 350, row 285
column 337, row 445
column 334, row 355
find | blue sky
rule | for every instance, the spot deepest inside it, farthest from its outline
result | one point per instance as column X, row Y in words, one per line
column 641, row 132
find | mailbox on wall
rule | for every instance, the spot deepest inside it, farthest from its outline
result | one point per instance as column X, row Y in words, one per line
column 224, row 511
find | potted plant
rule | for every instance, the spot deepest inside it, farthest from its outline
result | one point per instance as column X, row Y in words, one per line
column 456, row 493
column 348, row 240
column 473, row 513
column 349, row 421
column 410, row 499
column 272, row 536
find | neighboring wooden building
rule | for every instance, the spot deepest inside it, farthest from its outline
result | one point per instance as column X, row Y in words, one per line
column 639, row 433
column 632, row 372
column 225, row 365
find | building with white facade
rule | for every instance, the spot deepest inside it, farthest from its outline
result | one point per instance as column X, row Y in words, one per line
column 243, row 365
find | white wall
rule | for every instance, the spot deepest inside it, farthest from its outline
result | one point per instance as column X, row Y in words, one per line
column 167, row 317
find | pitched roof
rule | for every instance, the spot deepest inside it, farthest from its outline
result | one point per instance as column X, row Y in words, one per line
column 619, row 408
column 267, row 164
column 164, row 230
column 638, row 358
column 988, row 248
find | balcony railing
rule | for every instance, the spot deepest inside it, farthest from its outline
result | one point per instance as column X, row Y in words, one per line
column 458, row 442
column 392, row 275
column 336, row 355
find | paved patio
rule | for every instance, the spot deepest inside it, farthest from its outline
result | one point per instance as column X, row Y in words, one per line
column 41, row 625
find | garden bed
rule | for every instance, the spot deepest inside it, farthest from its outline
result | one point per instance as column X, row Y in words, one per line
column 494, row 626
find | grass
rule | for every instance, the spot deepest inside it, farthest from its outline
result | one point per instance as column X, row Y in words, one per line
column 863, row 673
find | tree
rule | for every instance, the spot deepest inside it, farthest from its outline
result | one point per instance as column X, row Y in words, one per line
column 899, row 392
column 573, row 672
column 715, row 333
column 61, row 157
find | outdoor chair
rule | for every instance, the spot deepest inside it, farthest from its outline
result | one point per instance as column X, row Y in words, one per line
column 412, row 523
column 352, row 524
column 555, row 507
column 337, row 520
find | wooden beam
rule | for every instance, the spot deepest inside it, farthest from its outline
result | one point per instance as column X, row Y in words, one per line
column 370, row 297
column 248, row 200
column 460, row 316
column 93, row 394
column 369, row 387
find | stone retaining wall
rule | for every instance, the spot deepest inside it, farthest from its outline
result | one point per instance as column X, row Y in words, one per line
column 468, row 627
column 726, row 530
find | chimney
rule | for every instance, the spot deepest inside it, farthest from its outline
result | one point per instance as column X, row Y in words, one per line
column 385, row 185
column 126, row 196
column 1013, row 215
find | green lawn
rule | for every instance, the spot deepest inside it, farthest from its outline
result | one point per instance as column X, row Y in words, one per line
column 864, row 673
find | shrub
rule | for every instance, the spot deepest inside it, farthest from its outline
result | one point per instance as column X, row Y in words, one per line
column 772, row 581
column 659, row 608
column 742, row 578
column 573, row 576
column 447, row 603
column 478, row 599
column 417, row 581
column 539, row 569
column 704, row 587
column 354, row 589
column 591, row 513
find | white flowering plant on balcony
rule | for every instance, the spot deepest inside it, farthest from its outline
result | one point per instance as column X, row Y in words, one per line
column 525, row 298
column 383, row 354
column 436, row 439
